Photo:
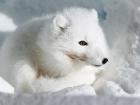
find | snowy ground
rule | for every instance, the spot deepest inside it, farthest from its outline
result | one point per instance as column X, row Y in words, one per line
column 64, row 100
column 120, row 20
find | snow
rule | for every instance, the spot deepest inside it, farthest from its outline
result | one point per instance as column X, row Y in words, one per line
column 6, row 87
column 6, row 23
column 43, row 99
column 138, row 8
column 84, row 90
column 120, row 20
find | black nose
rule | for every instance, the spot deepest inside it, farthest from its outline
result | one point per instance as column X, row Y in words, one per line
column 104, row 61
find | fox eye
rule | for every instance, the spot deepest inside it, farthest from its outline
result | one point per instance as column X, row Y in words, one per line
column 83, row 43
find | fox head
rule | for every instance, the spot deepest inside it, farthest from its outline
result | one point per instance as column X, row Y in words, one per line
column 74, row 36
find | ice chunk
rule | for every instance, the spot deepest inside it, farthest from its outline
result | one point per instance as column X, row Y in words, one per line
column 5, row 86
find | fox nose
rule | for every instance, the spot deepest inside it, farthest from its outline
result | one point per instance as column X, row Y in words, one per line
column 104, row 61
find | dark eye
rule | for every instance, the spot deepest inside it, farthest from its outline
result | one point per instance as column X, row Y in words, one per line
column 83, row 43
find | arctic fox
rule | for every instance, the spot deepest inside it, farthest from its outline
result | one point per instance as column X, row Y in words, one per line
column 53, row 52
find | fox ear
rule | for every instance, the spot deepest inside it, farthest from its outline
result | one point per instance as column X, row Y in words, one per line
column 95, row 13
column 61, row 22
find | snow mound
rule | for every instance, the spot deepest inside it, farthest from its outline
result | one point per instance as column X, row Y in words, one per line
column 83, row 90
column 6, row 23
